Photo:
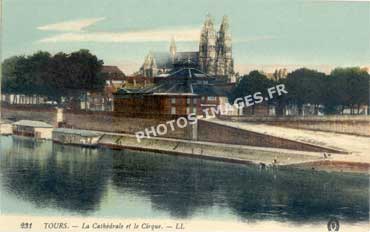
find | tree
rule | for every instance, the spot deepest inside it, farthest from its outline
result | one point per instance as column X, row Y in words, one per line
column 9, row 74
column 349, row 87
column 344, row 87
column 60, row 76
column 37, row 73
column 282, row 100
column 85, row 70
column 305, row 86
column 250, row 84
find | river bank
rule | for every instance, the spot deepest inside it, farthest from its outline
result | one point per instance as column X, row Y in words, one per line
column 243, row 154
column 208, row 150
column 250, row 155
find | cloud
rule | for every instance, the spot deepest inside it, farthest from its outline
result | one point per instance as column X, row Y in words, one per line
column 74, row 31
column 159, row 35
column 70, row 26
column 180, row 34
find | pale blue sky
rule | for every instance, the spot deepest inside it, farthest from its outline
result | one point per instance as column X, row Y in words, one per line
column 266, row 33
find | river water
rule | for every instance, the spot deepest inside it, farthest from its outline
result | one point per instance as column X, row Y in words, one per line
column 46, row 179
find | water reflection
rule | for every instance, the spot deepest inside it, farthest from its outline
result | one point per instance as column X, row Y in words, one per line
column 76, row 179
column 182, row 186
column 54, row 175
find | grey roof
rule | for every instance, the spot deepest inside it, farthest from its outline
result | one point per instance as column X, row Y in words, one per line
column 163, row 60
column 182, row 88
column 189, row 89
column 125, row 91
column 182, row 81
column 111, row 69
column 83, row 133
column 36, row 124
column 187, row 72
column 182, row 57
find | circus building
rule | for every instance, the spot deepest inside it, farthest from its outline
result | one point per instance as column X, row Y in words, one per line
column 214, row 56
column 182, row 91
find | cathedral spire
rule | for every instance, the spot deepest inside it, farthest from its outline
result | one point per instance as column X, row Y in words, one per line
column 225, row 24
column 224, row 38
column 208, row 20
column 173, row 49
column 207, row 46
column 224, row 63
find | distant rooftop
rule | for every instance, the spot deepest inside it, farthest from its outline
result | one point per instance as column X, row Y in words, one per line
column 30, row 123
column 112, row 71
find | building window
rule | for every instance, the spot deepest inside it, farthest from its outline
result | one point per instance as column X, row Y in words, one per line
column 195, row 110
column 188, row 110
column 195, row 101
column 188, row 100
column 211, row 98
column 173, row 100
column 173, row 110
column 203, row 98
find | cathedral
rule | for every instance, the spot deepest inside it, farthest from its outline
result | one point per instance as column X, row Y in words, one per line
column 213, row 58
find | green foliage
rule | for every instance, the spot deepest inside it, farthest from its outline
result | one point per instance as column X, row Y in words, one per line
column 343, row 88
column 10, row 71
column 349, row 87
column 305, row 86
column 250, row 84
column 61, row 75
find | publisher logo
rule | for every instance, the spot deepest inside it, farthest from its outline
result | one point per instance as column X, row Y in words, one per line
column 333, row 225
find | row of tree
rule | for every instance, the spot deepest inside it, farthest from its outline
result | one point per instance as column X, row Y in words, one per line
column 343, row 88
column 53, row 76
column 69, row 76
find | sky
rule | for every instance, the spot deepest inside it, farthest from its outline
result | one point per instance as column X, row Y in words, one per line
column 267, row 34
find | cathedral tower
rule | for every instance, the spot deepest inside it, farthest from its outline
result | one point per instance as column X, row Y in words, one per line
column 173, row 49
column 224, row 60
column 207, row 47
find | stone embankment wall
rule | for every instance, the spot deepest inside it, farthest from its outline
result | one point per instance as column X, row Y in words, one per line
column 27, row 112
column 204, row 150
column 100, row 121
column 214, row 132
column 120, row 123
column 130, row 124
column 346, row 124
